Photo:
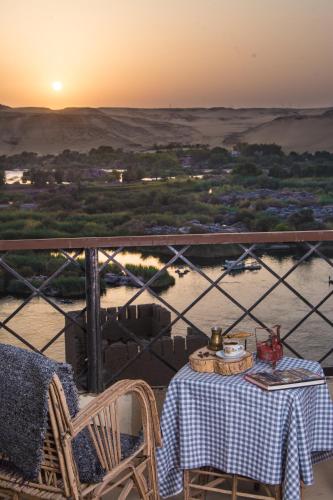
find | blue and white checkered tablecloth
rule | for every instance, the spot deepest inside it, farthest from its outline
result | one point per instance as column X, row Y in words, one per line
column 232, row 425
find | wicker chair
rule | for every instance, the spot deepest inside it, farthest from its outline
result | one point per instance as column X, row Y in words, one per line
column 58, row 478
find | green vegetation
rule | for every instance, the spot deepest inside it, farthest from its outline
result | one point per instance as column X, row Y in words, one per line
column 107, row 210
column 255, row 188
column 145, row 273
column 35, row 267
column 246, row 170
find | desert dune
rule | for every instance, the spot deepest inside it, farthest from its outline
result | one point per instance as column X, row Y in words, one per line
column 43, row 130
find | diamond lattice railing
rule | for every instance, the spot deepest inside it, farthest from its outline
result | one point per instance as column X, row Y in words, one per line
column 245, row 311
column 41, row 293
column 178, row 254
column 88, row 318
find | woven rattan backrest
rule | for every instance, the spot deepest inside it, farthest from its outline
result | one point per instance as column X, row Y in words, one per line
column 102, row 420
column 58, row 468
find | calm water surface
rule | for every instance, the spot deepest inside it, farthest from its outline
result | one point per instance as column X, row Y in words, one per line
column 38, row 321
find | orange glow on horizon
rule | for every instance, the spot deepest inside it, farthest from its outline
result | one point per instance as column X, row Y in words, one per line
column 180, row 53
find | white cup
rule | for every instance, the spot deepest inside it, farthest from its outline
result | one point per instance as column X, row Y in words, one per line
column 232, row 348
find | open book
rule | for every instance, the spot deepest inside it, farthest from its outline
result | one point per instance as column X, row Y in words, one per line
column 285, row 379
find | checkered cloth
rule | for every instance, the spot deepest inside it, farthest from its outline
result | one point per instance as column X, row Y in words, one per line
column 232, row 425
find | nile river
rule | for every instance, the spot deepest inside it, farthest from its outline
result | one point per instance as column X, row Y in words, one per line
column 38, row 321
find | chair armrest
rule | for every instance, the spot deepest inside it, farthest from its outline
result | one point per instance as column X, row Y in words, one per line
column 110, row 396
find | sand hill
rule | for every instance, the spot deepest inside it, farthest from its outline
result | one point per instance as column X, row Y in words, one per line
column 297, row 133
column 43, row 130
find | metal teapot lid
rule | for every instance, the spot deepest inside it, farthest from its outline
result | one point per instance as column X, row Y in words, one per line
column 216, row 329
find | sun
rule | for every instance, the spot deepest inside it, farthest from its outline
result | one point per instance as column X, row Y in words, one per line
column 57, row 86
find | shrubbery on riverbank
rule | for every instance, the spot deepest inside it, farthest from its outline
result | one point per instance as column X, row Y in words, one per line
column 35, row 267
column 259, row 188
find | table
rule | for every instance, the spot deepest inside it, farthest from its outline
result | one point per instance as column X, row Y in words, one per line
column 232, row 425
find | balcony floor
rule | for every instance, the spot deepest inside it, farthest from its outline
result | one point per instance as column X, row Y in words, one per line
column 322, row 489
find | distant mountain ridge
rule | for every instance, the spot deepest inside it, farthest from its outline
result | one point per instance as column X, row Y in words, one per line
column 44, row 131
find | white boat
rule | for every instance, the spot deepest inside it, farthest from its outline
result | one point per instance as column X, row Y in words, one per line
column 240, row 266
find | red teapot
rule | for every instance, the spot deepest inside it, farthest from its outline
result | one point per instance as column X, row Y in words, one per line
column 269, row 346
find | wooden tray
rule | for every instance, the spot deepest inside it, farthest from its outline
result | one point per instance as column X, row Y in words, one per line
column 204, row 360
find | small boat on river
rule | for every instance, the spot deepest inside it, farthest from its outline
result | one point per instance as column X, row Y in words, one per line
column 240, row 266
column 66, row 301
column 181, row 271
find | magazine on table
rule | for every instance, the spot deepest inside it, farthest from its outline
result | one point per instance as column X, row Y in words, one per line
column 285, row 379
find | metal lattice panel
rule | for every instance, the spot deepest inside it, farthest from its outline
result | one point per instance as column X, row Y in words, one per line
column 178, row 253
column 39, row 292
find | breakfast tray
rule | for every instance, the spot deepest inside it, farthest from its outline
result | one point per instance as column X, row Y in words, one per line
column 204, row 360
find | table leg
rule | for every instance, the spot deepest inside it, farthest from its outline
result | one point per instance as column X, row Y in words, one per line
column 234, row 487
column 301, row 485
column 186, row 482
column 278, row 492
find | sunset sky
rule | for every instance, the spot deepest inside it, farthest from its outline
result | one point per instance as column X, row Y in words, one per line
column 157, row 53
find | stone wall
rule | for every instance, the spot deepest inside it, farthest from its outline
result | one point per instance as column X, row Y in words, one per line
column 146, row 321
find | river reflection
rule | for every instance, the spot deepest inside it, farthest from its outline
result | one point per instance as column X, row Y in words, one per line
column 38, row 321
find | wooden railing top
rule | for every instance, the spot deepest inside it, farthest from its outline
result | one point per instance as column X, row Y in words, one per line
column 161, row 240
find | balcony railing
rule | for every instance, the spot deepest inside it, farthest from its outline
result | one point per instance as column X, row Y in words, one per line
column 306, row 292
